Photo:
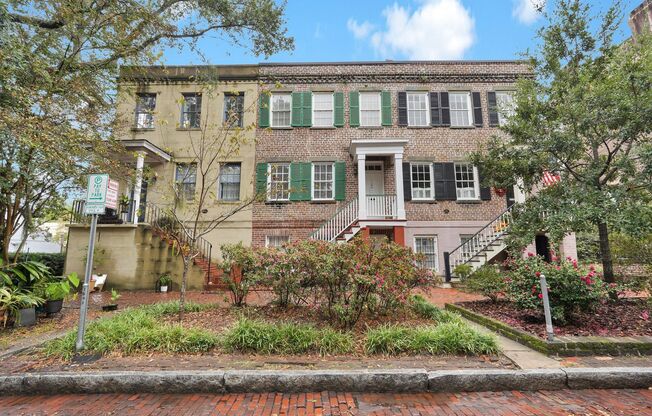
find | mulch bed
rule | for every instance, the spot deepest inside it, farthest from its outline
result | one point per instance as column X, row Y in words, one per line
column 621, row 319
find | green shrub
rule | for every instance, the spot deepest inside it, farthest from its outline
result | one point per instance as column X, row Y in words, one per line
column 488, row 281
column 454, row 338
column 137, row 330
column 427, row 310
column 462, row 270
column 288, row 338
column 239, row 264
column 55, row 261
column 570, row 287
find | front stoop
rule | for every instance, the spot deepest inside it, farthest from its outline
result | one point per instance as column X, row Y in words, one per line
column 380, row 381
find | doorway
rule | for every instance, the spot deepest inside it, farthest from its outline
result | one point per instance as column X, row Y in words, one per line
column 375, row 189
column 543, row 247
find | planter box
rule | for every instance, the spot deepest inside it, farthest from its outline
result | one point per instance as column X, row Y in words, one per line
column 26, row 317
column 110, row 307
column 53, row 306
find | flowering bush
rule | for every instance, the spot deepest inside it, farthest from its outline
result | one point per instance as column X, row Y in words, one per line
column 570, row 287
column 488, row 281
column 240, row 265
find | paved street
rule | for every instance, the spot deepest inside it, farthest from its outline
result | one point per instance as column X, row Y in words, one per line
column 578, row 402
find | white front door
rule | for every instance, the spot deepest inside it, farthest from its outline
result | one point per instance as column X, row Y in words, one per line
column 375, row 188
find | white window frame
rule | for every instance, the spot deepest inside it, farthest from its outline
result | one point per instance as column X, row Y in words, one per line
column 432, row 182
column 312, row 180
column 504, row 115
column 427, row 109
column 271, row 109
column 269, row 238
column 269, row 181
column 469, row 104
column 220, row 184
column 435, row 245
column 332, row 110
column 380, row 108
column 476, row 183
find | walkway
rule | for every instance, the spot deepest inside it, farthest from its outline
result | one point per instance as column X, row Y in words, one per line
column 565, row 402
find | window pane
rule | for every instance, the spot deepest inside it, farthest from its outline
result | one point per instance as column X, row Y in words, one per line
column 281, row 109
column 145, row 105
column 465, row 181
column 505, row 103
column 185, row 179
column 421, row 181
column 323, row 181
column 460, row 108
column 230, row 182
column 279, row 181
column 417, row 109
column 276, row 240
column 191, row 111
column 234, row 109
column 370, row 108
column 323, row 109
column 428, row 247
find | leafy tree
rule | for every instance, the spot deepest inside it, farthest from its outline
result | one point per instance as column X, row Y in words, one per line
column 59, row 63
column 587, row 115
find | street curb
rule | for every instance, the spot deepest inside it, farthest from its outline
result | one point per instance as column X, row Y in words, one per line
column 380, row 381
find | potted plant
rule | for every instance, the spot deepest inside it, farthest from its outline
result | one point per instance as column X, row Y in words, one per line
column 20, row 305
column 57, row 291
column 114, row 299
column 164, row 282
column 124, row 203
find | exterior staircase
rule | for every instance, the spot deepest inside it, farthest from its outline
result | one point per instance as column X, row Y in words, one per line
column 482, row 247
column 342, row 226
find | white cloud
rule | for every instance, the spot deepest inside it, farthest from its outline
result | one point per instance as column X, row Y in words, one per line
column 437, row 29
column 359, row 30
column 527, row 11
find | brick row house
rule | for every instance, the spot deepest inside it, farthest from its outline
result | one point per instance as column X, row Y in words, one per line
column 338, row 149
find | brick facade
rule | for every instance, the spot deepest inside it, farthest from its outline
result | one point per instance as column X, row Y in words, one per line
column 431, row 144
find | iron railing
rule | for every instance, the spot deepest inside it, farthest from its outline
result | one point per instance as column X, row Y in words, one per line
column 154, row 216
column 334, row 226
column 478, row 242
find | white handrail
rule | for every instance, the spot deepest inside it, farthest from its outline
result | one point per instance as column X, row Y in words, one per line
column 381, row 206
column 338, row 223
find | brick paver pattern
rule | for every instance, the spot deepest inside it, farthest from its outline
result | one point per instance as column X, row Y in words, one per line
column 564, row 402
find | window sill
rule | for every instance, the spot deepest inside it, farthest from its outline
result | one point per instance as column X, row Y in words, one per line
column 419, row 127
column 142, row 129
column 462, row 127
column 188, row 129
column 277, row 202
column 282, row 128
column 221, row 202
column 371, row 127
column 323, row 128
column 468, row 201
column 423, row 201
column 323, row 201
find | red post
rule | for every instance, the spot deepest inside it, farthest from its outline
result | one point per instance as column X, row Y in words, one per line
column 399, row 235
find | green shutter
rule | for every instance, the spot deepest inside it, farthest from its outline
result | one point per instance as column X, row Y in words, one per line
column 300, row 181
column 340, row 181
column 307, row 109
column 354, row 109
column 297, row 109
column 263, row 110
column 386, row 108
column 338, row 101
column 261, row 178
column 306, row 180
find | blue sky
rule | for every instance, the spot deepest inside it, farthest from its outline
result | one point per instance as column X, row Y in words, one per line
column 353, row 30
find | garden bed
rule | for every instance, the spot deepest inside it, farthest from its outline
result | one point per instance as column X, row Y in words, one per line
column 624, row 318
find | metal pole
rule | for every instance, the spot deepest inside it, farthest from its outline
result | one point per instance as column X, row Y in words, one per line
column 447, row 266
column 546, row 307
column 81, row 330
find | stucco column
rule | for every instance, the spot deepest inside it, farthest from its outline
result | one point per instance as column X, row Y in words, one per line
column 140, row 163
column 362, row 188
column 398, row 172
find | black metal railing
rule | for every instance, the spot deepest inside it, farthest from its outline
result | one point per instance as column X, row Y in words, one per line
column 152, row 215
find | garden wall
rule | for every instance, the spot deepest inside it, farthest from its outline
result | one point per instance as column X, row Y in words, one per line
column 131, row 255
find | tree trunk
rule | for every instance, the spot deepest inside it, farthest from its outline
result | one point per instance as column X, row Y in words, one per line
column 182, row 294
column 605, row 253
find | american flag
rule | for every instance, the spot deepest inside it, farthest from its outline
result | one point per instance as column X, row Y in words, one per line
column 550, row 178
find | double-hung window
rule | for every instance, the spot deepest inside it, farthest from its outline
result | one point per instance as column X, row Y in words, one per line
column 505, row 104
column 276, row 241
column 278, row 182
column 234, row 109
column 427, row 246
column 322, row 109
column 191, row 111
column 185, row 180
column 370, row 109
column 145, row 104
column 323, row 181
column 466, row 181
column 422, row 184
column 281, row 109
column 229, row 182
column 460, row 109
column 417, row 108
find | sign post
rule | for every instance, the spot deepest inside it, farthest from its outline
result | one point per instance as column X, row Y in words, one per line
column 100, row 194
column 546, row 307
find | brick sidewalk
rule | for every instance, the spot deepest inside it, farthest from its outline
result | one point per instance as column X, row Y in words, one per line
column 565, row 402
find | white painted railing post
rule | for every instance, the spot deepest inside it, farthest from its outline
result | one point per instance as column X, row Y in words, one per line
column 362, row 187
column 398, row 173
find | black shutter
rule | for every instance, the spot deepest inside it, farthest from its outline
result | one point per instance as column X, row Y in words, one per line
column 407, row 182
column 445, row 109
column 485, row 191
column 477, row 109
column 444, row 181
column 435, row 111
column 402, row 109
column 493, row 109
